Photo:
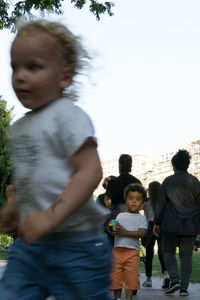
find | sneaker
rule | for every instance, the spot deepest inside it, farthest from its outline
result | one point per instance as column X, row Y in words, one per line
column 166, row 283
column 174, row 286
column 183, row 292
column 147, row 283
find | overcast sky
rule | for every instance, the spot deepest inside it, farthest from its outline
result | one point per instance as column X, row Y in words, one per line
column 144, row 92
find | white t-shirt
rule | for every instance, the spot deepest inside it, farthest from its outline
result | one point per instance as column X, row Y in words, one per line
column 42, row 144
column 131, row 222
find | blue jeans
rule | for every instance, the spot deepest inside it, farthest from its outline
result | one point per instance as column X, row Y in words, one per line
column 68, row 270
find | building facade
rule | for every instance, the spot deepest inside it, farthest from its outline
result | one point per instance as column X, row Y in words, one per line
column 146, row 169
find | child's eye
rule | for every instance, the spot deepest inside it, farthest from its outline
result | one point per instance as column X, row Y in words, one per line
column 130, row 199
column 34, row 67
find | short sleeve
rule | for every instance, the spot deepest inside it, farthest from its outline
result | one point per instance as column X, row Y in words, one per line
column 118, row 217
column 75, row 127
column 143, row 222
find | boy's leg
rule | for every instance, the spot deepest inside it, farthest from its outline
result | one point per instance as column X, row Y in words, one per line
column 117, row 272
column 81, row 270
column 17, row 280
column 129, row 294
column 131, row 270
column 117, row 293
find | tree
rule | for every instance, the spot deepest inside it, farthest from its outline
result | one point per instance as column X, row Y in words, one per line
column 10, row 13
column 5, row 163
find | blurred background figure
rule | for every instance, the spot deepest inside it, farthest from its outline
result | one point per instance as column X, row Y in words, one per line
column 116, row 186
column 149, row 209
column 100, row 198
column 178, row 201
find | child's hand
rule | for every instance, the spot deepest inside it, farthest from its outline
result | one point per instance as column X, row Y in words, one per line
column 121, row 231
column 109, row 231
column 35, row 226
column 9, row 219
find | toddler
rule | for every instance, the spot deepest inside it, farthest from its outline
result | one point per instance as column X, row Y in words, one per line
column 61, row 249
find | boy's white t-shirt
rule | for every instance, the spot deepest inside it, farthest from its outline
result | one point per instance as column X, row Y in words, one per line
column 42, row 144
column 131, row 222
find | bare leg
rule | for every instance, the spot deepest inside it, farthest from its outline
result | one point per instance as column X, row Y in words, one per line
column 117, row 293
column 129, row 294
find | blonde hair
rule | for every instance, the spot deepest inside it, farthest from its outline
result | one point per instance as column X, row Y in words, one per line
column 69, row 46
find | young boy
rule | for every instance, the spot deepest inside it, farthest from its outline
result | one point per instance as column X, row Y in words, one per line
column 61, row 249
column 133, row 226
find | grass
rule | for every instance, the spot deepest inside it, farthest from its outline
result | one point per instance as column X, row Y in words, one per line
column 156, row 270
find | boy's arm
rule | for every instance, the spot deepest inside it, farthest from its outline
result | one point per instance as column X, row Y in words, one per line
column 9, row 213
column 141, row 232
column 76, row 193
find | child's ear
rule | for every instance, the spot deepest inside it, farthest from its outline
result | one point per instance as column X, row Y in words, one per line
column 65, row 77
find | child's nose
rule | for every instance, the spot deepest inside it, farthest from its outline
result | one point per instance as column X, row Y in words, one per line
column 21, row 75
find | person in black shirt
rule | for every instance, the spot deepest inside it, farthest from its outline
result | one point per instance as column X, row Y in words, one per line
column 116, row 186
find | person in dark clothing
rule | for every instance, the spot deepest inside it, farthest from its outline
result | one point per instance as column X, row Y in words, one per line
column 149, row 209
column 100, row 198
column 116, row 186
column 180, row 191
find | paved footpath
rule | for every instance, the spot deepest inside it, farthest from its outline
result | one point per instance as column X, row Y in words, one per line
column 156, row 292
column 153, row 293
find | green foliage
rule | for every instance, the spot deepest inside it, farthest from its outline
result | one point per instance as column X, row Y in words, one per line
column 5, row 163
column 142, row 251
column 9, row 13
column 5, row 241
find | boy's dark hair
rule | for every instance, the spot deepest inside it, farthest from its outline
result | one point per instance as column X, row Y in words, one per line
column 154, row 189
column 181, row 160
column 135, row 187
column 125, row 163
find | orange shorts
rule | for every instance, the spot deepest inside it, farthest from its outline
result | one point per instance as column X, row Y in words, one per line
column 126, row 263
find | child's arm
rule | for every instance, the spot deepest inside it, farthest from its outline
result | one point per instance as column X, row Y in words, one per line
column 76, row 193
column 141, row 232
column 9, row 213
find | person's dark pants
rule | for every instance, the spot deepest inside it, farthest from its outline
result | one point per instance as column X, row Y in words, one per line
column 150, row 254
column 185, row 244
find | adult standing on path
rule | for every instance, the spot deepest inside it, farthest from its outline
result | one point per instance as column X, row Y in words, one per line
column 149, row 209
column 116, row 186
column 178, row 203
